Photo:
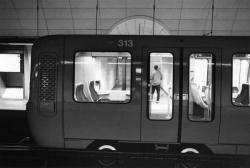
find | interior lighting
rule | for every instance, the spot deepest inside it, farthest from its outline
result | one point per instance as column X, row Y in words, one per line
column 10, row 63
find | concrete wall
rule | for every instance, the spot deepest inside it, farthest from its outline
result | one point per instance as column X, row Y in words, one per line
column 107, row 72
column 167, row 72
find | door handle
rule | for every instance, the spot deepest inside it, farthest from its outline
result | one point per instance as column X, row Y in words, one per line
column 177, row 96
column 184, row 96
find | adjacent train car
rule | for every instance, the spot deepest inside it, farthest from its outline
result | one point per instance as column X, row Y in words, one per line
column 182, row 94
column 15, row 56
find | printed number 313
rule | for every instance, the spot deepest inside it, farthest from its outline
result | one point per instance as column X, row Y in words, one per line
column 125, row 43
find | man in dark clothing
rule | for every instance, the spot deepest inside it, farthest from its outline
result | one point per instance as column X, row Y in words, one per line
column 156, row 79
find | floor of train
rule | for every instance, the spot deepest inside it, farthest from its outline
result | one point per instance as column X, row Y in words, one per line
column 53, row 160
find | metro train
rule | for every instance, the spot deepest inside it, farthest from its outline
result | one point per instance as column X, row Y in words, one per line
column 179, row 94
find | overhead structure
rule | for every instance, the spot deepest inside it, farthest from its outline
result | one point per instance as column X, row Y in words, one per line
column 180, row 17
column 139, row 25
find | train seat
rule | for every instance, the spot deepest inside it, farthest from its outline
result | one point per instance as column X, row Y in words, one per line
column 80, row 95
column 243, row 97
column 94, row 95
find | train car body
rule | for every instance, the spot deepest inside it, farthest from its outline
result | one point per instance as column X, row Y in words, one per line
column 87, row 89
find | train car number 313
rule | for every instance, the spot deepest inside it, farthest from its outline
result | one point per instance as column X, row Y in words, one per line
column 125, row 43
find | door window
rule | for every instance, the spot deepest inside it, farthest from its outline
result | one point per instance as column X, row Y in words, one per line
column 241, row 80
column 201, row 87
column 160, row 92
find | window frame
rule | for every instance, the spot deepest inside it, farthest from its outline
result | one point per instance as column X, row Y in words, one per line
column 213, row 86
column 102, row 51
column 148, row 88
column 236, row 105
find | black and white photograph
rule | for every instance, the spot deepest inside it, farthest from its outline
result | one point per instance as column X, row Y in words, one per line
column 124, row 83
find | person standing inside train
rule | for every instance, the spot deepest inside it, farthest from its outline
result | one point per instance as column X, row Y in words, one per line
column 156, row 79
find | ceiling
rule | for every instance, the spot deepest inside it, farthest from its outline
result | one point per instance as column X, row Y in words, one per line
column 179, row 17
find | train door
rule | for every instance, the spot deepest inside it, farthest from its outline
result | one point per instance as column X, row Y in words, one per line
column 201, row 95
column 101, row 93
column 190, row 114
column 235, row 111
column 160, row 103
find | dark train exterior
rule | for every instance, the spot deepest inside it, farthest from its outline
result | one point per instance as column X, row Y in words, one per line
column 61, row 116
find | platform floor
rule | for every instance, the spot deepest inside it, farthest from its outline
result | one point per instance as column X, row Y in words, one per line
column 31, row 160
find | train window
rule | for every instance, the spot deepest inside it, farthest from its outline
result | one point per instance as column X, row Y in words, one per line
column 161, row 83
column 102, row 77
column 200, row 87
column 241, row 80
column 14, row 80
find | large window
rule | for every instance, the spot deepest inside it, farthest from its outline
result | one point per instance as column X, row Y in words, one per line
column 14, row 79
column 201, row 87
column 160, row 92
column 241, row 79
column 102, row 77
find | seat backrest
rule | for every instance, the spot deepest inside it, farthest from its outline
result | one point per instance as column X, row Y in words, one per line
column 80, row 96
column 196, row 97
column 93, row 92
column 243, row 97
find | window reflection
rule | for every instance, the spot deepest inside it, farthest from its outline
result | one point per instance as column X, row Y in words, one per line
column 102, row 76
column 200, row 87
column 241, row 79
column 161, row 84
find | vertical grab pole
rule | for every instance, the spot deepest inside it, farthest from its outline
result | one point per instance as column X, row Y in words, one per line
column 212, row 20
column 154, row 19
column 37, row 18
column 96, row 15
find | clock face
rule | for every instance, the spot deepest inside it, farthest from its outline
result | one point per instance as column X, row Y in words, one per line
column 139, row 26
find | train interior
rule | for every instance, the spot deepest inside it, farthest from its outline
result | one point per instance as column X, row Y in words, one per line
column 161, row 109
column 241, row 79
column 200, row 86
column 14, row 79
column 102, row 77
